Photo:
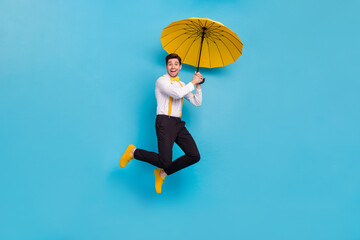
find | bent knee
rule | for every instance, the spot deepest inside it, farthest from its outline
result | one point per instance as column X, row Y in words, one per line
column 166, row 165
column 195, row 158
column 165, row 161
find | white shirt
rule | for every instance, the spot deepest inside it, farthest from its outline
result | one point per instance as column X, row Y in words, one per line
column 171, row 93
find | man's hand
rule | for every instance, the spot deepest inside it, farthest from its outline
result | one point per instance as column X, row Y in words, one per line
column 198, row 86
column 197, row 78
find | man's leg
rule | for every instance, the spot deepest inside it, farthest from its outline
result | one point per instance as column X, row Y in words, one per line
column 161, row 159
column 147, row 156
column 186, row 142
column 166, row 134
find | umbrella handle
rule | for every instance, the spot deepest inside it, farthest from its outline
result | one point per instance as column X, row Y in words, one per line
column 203, row 78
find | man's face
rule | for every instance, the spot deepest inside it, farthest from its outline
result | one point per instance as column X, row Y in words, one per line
column 173, row 67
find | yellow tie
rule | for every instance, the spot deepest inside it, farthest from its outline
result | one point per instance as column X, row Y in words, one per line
column 171, row 99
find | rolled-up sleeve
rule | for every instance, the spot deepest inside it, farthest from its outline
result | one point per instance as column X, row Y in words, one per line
column 195, row 99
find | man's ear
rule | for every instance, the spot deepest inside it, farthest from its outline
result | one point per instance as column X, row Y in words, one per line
column 180, row 66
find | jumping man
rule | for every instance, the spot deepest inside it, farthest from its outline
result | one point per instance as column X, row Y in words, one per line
column 170, row 93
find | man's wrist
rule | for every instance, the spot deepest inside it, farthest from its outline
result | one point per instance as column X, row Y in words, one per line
column 195, row 83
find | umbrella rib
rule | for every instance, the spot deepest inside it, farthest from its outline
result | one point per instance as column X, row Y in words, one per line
column 184, row 41
column 214, row 28
column 228, row 48
column 209, row 36
column 198, row 27
column 220, row 53
column 201, row 26
column 189, row 30
column 190, row 47
column 185, row 33
column 177, row 24
column 210, row 26
column 192, row 26
column 221, row 34
column 173, row 39
column 240, row 51
column 213, row 41
column 207, row 40
column 218, row 38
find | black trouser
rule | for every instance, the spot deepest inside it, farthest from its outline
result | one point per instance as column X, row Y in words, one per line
column 170, row 130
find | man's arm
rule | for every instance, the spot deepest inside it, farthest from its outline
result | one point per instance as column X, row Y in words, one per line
column 196, row 99
column 174, row 91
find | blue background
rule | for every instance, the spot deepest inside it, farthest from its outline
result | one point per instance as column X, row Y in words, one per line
column 278, row 132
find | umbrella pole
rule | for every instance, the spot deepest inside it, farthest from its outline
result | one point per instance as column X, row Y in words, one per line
column 202, row 40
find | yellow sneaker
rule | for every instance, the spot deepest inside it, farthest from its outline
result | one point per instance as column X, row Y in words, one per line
column 158, row 180
column 126, row 157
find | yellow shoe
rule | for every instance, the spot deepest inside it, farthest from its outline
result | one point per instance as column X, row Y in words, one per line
column 158, row 180
column 126, row 157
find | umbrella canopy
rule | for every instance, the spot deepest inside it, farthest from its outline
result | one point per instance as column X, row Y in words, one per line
column 202, row 42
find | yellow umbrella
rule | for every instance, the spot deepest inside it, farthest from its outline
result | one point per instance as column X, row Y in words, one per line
column 202, row 42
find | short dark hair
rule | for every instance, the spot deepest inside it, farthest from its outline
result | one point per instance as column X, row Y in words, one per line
column 172, row 55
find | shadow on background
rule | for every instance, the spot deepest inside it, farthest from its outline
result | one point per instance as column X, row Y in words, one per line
column 137, row 179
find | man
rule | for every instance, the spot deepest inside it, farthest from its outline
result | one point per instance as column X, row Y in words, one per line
column 169, row 92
